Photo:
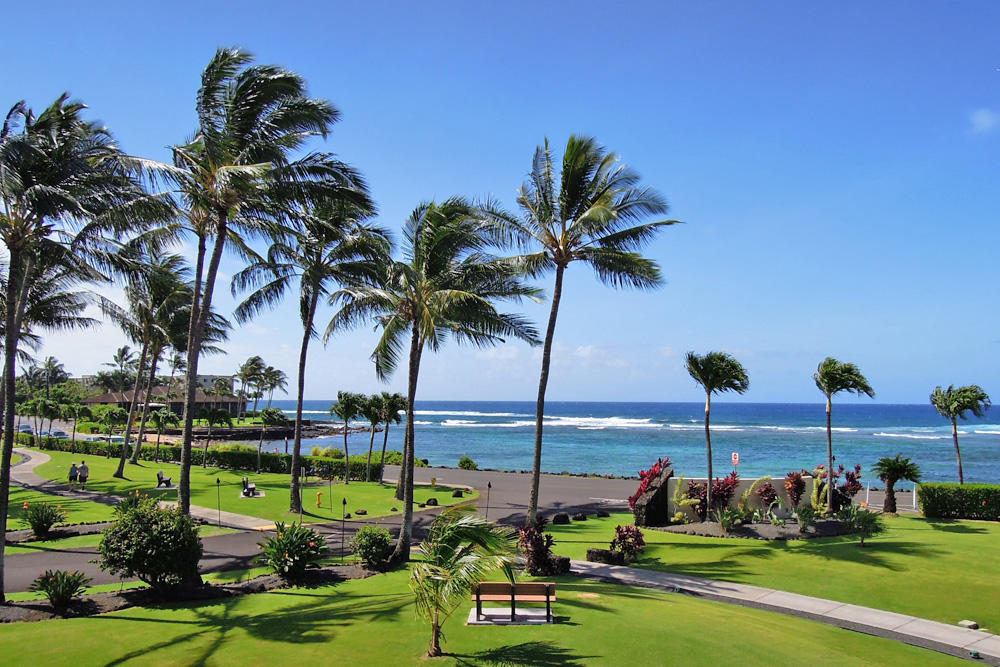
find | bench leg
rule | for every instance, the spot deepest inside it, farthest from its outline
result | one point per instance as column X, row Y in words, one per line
column 512, row 608
column 548, row 608
column 479, row 607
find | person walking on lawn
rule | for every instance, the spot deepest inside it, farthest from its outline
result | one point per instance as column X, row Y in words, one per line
column 84, row 472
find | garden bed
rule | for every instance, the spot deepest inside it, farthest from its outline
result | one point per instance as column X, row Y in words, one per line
column 70, row 530
column 760, row 531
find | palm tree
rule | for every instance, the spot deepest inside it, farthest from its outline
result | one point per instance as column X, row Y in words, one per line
column 237, row 181
column 160, row 418
column 274, row 379
column 112, row 417
column 448, row 284
column 461, row 549
column 76, row 412
column 269, row 417
column 891, row 471
column 390, row 407
column 594, row 217
column 831, row 378
column 331, row 249
column 124, row 365
column 716, row 372
column 953, row 404
column 54, row 373
column 371, row 410
column 347, row 407
column 249, row 373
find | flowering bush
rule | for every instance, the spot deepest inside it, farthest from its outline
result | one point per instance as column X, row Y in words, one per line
column 723, row 491
column 646, row 477
column 292, row 550
column 842, row 494
column 795, row 486
column 373, row 545
column 60, row 587
column 42, row 516
column 537, row 547
column 628, row 540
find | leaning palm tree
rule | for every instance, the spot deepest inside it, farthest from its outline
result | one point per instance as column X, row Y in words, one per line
column 594, row 216
column 831, row 378
column 274, row 379
column 390, row 405
column 953, row 404
column 333, row 248
column 237, row 181
column 716, row 372
column 249, row 373
column 448, row 283
column 460, row 551
column 891, row 471
column 347, row 407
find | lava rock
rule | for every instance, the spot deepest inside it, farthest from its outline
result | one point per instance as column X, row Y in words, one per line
column 602, row 514
column 432, row 502
column 606, row 556
column 560, row 519
column 394, row 509
column 560, row 565
column 361, row 512
column 457, row 493
column 347, row 516
column 579, row 516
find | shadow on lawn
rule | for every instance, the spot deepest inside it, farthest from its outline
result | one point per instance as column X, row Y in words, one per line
column 956, row 527
column 526, row 654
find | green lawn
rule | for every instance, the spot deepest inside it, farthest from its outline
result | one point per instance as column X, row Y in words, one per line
column 372, row 622
column 77, row 510
column 81, row 541
column 941, row 570
column 376, row 499
column 15, row 459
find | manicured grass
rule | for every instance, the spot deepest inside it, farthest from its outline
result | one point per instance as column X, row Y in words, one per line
column 77, row 510
column 15, row 459
column 941, row 570
column 376, row 499
column 82, row 541
column 372, row 622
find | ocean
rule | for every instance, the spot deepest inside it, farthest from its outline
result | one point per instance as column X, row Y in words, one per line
column 623, row 438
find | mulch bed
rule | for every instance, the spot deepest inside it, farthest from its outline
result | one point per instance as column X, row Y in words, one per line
column 760, row 531
column 18, row 536
column 103, row 603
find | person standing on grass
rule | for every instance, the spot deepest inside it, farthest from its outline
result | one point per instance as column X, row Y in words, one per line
column 84, row 472
column 73, row 473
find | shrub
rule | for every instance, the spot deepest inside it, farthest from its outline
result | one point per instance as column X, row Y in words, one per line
column 806, row 516
column 465, row 463
column 327, row 452
column 628, row 540
column 864, row 522
column 60, row 587
column 373, row 545
column 795, row 486
column 960, row 501
column 727, row 518
column 537, row 547
column 291, row 550
column 680, row 517
column 724, row 489
column 159, row 546
column 42, row 516
column 696, row 493
column 767, row 494
column 842, row 495
column 606, row 556
column 88, row 427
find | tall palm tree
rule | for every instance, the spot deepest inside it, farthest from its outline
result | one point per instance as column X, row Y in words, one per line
column 595, row 217
column 891, row 471
column 347, row 407
column 371, row 410
column 249, row 374
column 53, row 372
column 274, row 379
column 238, row 181
column 952, row 403
column 716, row 372
column 390, row 406
column 461, row 549
column 123, row 365
column 831, row 378
column 447, row 283
column 333, row 247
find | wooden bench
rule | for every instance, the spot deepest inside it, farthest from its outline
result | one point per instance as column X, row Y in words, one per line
column 504, row 591
column 161, row 480
column 249, row 488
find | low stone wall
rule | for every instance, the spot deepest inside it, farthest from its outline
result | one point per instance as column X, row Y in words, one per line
column 744, row 484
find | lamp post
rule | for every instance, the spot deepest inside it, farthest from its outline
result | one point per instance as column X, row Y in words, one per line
column 343, row 512
column 218, row 498
column 489, row 487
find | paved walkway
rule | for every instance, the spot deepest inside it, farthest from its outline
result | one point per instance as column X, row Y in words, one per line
column 941, row 637
column 23, row 475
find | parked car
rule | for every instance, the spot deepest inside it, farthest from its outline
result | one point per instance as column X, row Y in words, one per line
column 43, row 434
column 59, row 435
column 25, row 428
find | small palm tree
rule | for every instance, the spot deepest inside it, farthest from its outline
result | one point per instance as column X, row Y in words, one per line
column 390, row 405
column 891, row 471
column 371, row 410
column 953, row 404
column 461, row 549
column 716, row 372
column 75, row 412
column 831, row 378
column 274, row 379
column 214, row 416
column 347, row 407
column 162, row 417
column 269, row 417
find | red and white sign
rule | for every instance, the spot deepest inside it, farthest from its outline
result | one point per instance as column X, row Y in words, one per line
column 736, row 458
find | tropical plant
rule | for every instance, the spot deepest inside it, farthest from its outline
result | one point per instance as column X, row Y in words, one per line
column 40, row 517
column 275, row 417
column 212, row 417
column 862, row 521
column 831, row 378
column 160, row 418
column 681, row 501
column 372, row 545
column 466, row 463
column 249, row 374
column 952, row 404
column 716, row 372
column 75, row 412
column 60, row 587
column 371, row 410
column 448, row 284
column 461, row 549
column 292, row 550
column 347, row 407
column 629, row 541
column 536, row 544
column 113, row 417
column 795, row 486
column 806, row 516
column 390, row 406
column 728, row 517
column 892, row 470
column 590, row 218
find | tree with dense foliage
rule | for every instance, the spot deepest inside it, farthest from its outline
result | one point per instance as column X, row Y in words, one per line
column 447, row 284
column 213, row 416
column 160, row 418
column 390, row 405
column 593, row 216
column 954, row 403
column 716, row 372
column 892, row 470
column 347, row 407
column 269, row 417
column 831, row 378
column 460, row 551
column 75, row 412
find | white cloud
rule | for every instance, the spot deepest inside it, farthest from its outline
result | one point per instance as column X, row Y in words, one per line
column 984, row 120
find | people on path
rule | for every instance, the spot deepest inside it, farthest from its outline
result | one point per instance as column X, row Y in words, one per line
column 73, row 473
column 83, row 472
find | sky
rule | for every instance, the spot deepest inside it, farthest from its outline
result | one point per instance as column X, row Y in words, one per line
column 835, row 166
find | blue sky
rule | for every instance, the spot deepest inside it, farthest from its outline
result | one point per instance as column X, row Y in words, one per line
column 835, row 166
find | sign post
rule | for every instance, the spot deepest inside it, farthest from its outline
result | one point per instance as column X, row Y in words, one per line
column 736, row 459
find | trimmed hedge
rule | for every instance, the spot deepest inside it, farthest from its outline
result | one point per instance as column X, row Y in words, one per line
column 234, row 459
column 960, row 501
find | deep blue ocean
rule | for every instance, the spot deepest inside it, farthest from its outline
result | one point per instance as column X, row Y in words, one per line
column 622, row 438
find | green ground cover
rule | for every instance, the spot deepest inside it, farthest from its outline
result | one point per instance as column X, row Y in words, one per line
column 15, row 459
column 82, row 541
column 371, row 621
column 77, row 509
column 376, row 499
column 941, row 570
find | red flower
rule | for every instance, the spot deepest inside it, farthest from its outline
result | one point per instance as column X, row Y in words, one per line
column 25, row 506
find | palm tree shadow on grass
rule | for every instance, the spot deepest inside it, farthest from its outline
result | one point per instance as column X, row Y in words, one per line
column 956, row 527
column 526, row 654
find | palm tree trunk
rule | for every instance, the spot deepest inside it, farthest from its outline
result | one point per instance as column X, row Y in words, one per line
column 295, row 502
column 120, row 473
column 889, row 506
column 260, row 444
column 401, row 482
column 708, row 447
column 958, row 453
column 371, row 446
column 434, row 649
column 402, row 551
column 543, row 381
column 829, row 457
column 155, row 358
column 347, row 457
column 385, row 441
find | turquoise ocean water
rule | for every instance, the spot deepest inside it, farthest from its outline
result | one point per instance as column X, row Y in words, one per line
column 622, row 438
